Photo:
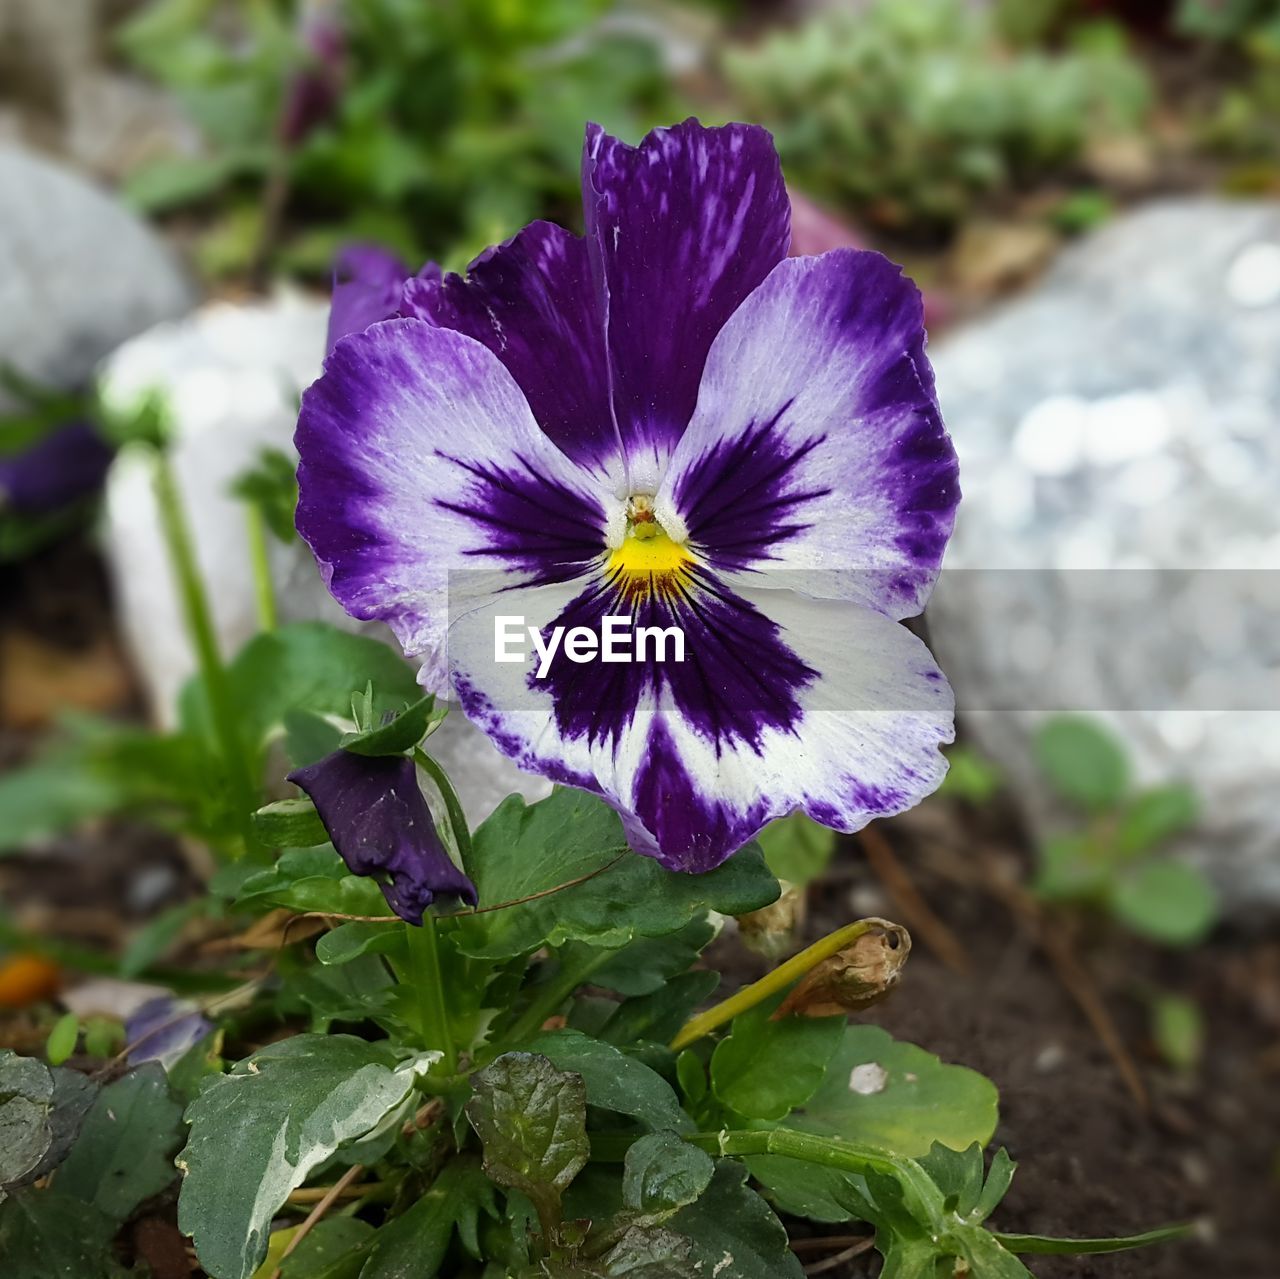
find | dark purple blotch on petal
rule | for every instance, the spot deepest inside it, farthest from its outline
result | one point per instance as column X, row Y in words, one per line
column 64, row 467
column 378, row 820
column 164, row 1029
column 738, row 678
column 532, row 302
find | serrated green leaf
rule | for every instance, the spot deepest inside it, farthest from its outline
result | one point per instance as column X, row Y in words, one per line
column 26, row 1100
column 663, row 1174
column 283, row 1111
column 1084, row 763
column 764, row 1069
column 1154, row 816
column 526, row 849
column 1165, row 900
column 614, row 1080
column 532, row 1123
column 413, row 1245
column 734, row 1232
column 125, row 1151
column 896, row 1096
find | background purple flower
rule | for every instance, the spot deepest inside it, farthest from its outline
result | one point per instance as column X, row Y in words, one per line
column 62, row 468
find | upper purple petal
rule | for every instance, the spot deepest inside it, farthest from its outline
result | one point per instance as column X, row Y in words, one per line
column 379, row 822
column 532, row 303
column 367, row 284
column 681, row 229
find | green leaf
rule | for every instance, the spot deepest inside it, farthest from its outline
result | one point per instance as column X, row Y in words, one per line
column 290, row 823
column 401, row 733
column 657, row 1017
column 150, row 942
column 26, row 1099
column 1084, row 763
column 970, row 776
column 532, row 1123
column 648, row 963
column 349, row 941
column 283, row 1112
column 1177, row 1025
column 1154, row 816
column 313, row 879
column 734, row 1232
column 649, row 1253
column 796, row 848
column 804, row 1189
column 51, row 795
column 174, row 181
column 307, row 666
column 413, row 1245
column 1047, row 1246
column 896, row 1096
column 334, row 1247
column 308, row 737
column 1166, row 901
column 764, row 1069
column 525, row 849
column 614, row 1080
column 62, row 1039
column 663, row 1174
column 73, row 1094
column 1072, row 868
column 45, row 1234
column 125, row 1151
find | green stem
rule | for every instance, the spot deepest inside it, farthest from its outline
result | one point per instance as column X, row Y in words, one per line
column 555, row 992
column 259, row 560
column 428, row 982
column 453, row 805
column 772, row 983
column 199, row 620
column 1045, row 1247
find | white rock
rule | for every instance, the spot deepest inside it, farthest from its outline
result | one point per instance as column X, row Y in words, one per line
column 231, row 376
column 79, row 273
column 1123, row 416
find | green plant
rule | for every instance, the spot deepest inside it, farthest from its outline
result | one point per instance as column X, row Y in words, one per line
column 1115, row 861
column 911, row 113
column 446, row 125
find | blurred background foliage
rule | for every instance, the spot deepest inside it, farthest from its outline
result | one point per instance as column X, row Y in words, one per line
column 438, row 128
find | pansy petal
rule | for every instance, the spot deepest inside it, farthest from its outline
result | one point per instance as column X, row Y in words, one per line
column 817, row 446
column 531, row 301
column 367, row 283
column 419, row 456
column 681, row 229
column 378, row 820
column 800, row 703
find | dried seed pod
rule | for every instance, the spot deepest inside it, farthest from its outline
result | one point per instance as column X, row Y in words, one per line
column 854, row 978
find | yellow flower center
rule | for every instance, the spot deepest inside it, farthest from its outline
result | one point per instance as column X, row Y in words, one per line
column 648, row 562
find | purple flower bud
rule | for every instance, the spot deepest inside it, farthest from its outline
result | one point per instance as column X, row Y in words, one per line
column 64, row 467
column 380, row 824
column 314, row 93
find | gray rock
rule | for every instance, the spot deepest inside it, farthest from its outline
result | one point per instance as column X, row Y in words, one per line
column 1117, row 543
column 79, row 273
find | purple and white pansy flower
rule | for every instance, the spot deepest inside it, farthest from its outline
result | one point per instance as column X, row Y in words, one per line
column 668, row 421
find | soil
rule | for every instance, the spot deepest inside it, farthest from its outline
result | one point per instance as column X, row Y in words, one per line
column 1091, row 1162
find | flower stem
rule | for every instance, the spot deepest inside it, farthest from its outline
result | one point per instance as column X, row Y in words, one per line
column 199, row 620
column 263, row 587
column 428, row 982
column 453, row 805
column 555, row 992
column 772, row 983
